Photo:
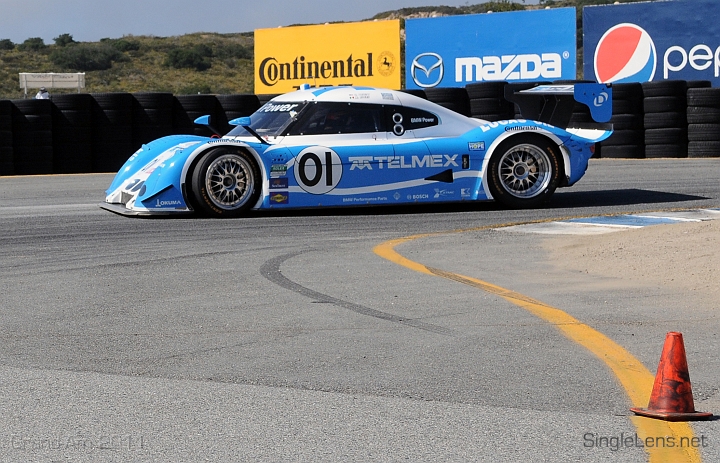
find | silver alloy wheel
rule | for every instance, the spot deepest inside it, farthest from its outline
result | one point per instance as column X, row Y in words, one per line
column 525, row 171
column 229, row 181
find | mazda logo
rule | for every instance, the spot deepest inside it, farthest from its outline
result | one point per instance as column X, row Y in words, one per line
column 423, row 71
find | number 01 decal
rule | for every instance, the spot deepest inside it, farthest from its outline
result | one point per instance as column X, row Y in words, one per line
column 318, row 169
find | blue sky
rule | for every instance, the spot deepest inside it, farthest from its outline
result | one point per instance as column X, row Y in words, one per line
column 91, row 20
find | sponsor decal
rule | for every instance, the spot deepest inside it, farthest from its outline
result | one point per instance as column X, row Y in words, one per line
column 625, row 53
column 359, row 96
column 274, row 108
column 465, row 161
column 416, row 197
column 494, row 125
column 278, row 170
column 509, row 67
column 318, row 169
column 441, row 193
column 465, row 192
column 271, row 71
column 422, row 120
column 387, row 96
column 278, row 183
column 397, row 196
column 386, row 64
column 356, row 199
column 476, row 146
column 402, row 162
column 168, row 203
column 281, row 197
column 427, row 70
column 520, row 128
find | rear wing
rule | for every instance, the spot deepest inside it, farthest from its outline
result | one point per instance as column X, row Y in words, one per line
column 554, row 104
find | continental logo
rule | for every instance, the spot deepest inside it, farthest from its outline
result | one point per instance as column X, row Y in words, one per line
column 271, row 71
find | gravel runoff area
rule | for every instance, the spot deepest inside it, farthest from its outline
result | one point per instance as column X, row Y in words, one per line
column 684, row 257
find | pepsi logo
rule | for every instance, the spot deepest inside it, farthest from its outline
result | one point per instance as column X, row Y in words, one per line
column 625, row 53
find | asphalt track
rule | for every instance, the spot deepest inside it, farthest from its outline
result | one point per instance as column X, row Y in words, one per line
column 287, row 338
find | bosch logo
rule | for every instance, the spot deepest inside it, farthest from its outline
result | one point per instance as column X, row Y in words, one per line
column 625, row 53
column 427, row 70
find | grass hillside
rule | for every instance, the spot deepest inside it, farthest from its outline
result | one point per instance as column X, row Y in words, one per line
column 192, row 63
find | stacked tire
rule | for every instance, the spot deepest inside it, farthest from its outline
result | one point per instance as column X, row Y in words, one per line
column 187, row 108
column 487, row 101
column 72, row 133
column 627, row 140
column 7, row 166
column 32, row 137
column 152, row 116
column 665, row 120
column 703, row 116
column 455, row 99
column 239, row 105
column 113, row 131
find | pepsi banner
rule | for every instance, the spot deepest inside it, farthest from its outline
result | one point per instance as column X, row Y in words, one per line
column 642, row 42
column 453, row 51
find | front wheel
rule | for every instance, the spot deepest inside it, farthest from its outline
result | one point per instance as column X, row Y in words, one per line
column 226, row 183
column 524, row 171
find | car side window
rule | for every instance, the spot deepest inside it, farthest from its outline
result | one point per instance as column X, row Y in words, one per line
column 402, row 118
column 339, row 118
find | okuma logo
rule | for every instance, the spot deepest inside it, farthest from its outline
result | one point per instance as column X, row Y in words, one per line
column 625, row 53
column 427, row 70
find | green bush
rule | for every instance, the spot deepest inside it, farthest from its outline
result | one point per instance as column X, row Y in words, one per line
column 63, row 40
column 6, row 44
column 230, row 51
column 32, row 44
column 86, row 57
column 125, row 45
column 198, row 58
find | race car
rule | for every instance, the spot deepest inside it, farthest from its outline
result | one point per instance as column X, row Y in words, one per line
column 352, row 146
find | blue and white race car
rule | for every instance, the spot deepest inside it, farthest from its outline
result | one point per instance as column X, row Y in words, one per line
column 351, row 146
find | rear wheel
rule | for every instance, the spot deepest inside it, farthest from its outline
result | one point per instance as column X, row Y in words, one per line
column 226, row 183
column 524, row 171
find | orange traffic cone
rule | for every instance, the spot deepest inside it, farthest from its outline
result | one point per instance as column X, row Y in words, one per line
column 671, row 397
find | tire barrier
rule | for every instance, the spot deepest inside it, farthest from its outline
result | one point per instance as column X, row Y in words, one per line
column 234, row 106
column 98, row 132
column 627, row 140
column 703, row 117
column 187, row 108
column 7, row 162
column 152, row 116
column 32, row 137
column 487, row 101
column 455, row 99
column 665, row 105
column 72, row 133
column 112, row 142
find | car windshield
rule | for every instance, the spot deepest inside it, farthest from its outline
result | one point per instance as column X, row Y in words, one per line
column 271, row 118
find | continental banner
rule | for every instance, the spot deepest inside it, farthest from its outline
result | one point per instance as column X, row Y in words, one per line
column 363, row 53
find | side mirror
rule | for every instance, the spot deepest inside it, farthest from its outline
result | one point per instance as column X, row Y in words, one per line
column 203, row 120
column 241, row 121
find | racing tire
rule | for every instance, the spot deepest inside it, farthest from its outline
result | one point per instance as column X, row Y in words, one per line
column 660, row 88
column 703, row 115
column 524, row 171
column 226, row 183
column 659, row 104
column 704, row 149
column 623, row 152
column 666, row 150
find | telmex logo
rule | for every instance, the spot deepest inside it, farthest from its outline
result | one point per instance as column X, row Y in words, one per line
column 626, row 53
column 427, row 70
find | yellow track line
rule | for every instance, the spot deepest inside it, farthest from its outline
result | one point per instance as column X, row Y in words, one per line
column 632, row 374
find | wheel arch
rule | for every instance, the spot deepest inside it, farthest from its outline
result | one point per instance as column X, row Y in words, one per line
column 195, row 157
column 564, row 155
